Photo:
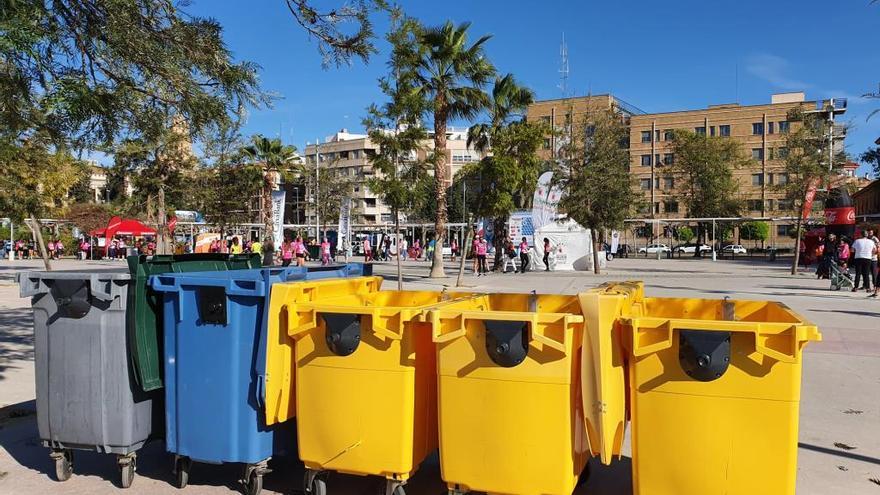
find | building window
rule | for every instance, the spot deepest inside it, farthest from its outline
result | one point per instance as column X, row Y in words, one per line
column 758, row 129
column 463, row 158
column 782, row 153
column 567, row 118
column 668, row 135
column 589, row 131
column 645, row 184
column 768, row 205
column 657, row 135
column 370, row 202
column 668, row 183
column 770, row 127
column 700, row 131
column 646, row 160
column 783, row 230
column 668, row 159
column 671, row 206
column 546, row 119
column 783, row 205
column 757, row 179
column 783, row 127
column 343, row 155
column 656, row 182
column 385, row 217
column 770, row 179
column 656, row 207
column 755, row 204
column 646, row 136
column 724, row 130
column 757, row 153
column 546, row 143
column 782, row 179
column 657, row 160
column 771, row 153
column 712, row 130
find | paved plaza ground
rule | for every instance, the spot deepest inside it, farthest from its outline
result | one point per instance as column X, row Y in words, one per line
column 840, row 408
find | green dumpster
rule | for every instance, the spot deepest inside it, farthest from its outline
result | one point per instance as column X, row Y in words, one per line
column 143, row 327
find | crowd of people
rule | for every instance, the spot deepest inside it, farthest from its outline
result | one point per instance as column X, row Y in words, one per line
column 860, row 254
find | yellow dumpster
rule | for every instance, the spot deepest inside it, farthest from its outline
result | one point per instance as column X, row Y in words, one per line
column 366, row 382
column 714, row 391
column 510, row 411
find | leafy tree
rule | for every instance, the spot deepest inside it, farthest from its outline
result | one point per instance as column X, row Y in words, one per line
column 597, row 189
column 396, row 128
column 686, row 234
column 88, row 216
column 755, row 231
column 327, row 188
column 274, row 159
column 224, row 193
column 450, row 72
column 872, row 157
column 704, row 168
column 807, row 166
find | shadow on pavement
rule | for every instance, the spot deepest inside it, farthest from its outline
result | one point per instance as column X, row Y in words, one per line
column 16, row 336
column 839, row 453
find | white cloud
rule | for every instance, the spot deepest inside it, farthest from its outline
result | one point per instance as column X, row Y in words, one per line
column 775, row 70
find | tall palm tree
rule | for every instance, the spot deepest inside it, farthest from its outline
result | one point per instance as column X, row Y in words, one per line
column 508, row 99
column 451, row 73
column 273, row 158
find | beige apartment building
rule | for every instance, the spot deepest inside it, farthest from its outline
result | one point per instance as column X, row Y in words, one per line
column 759, row 128
column 347, row 152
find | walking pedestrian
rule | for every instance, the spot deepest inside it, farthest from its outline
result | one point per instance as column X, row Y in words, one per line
column 475, row 262
column 864, row 248
column 523, row 256
column 454, row 249
column 299, row 249
column 509, row 255
column 325, row 252
column 402, row 249
column 547, row 250
column 429, row 252
column 482, row 249
column 286, row 252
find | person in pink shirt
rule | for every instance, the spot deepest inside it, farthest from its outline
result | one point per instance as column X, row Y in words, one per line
column 286, row 252
column 325, row 252
column 523, row 255
column 368, row 250
column 481, row 249
column 299, row 249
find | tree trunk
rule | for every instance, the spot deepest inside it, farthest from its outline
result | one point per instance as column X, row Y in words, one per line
column 397, row 241
column 41, row 245
column 797, row 246
column 161, row 232
column 267, row 206
column 440, row 115
column 467, row 242
column 595, row 237
column 498, row 225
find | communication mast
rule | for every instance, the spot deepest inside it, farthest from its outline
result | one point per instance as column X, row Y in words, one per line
column 563, row 70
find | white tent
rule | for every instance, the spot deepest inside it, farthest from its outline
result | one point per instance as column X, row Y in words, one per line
column 572, row 247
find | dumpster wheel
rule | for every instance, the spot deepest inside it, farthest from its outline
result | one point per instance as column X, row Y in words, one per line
column 127, row 468
column 314, row 483
column 394, row 487
column 63, row 463
column 182, row 466
column 253, row 478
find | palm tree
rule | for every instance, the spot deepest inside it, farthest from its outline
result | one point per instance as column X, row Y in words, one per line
column 451, row 74
column 508, row 99
column 273, row 158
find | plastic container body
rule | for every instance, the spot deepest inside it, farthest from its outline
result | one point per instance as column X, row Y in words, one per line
column 215, row 334
column 145, row 317
column 86, row 398
column 365, row 377
column 714, row 391
column 510, row 410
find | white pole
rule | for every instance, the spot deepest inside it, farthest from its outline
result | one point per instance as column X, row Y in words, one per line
column 714, row 256
column 657, row 228
column 11, row 240
column 317, row 175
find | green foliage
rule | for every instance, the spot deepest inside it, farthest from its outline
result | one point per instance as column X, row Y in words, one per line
column 328, row 187
column 872, row 157
column 686, row 234
column 704, row 167
column 755, row 231
column 597, row 190
column 88, row 216
column 272, row 158
column 225, row 191
column 344, row 32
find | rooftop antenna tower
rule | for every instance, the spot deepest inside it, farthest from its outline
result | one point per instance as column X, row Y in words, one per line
column 563, row 70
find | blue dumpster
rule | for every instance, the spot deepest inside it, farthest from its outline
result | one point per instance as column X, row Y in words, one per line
column 215, row 331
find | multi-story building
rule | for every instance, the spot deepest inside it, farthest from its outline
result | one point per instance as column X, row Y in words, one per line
column 760, row 129
column 348, row 154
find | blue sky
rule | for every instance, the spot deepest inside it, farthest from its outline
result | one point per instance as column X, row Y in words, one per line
column 658, row 56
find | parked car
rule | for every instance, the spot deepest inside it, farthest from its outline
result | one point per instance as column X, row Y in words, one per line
column 623, row 251
column 654, row 248
column 734, row 249
column 692, row 248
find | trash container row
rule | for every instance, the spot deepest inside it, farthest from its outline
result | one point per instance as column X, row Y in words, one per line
column 518, row 391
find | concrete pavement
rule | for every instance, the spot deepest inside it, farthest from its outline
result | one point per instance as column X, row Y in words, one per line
column 840, row 408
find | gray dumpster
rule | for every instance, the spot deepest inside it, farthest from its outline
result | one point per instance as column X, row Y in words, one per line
column 85, row 394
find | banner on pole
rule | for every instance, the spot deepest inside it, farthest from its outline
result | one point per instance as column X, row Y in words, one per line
column 808, row 200
column 278, row 198
column 344, row 221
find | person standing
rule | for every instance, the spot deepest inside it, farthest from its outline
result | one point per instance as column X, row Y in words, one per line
column 509, row 255
column 257, row 247
column 429, row 252
column 402, row 249
column 864, row 248
column 299, row 249
column 121, row 249
column 523, row 256
column 547, row 250
column 325, row 252
column 481, row 251
column 59, row 249
column 454, row 248
column 874, row 258
column 236, row 247
column 368, row 250
column 286, row 252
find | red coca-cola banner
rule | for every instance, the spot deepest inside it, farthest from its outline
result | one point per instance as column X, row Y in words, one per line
column 808, row 200
column 840, row 216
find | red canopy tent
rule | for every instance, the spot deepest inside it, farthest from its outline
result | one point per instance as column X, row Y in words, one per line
column 119, row 226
